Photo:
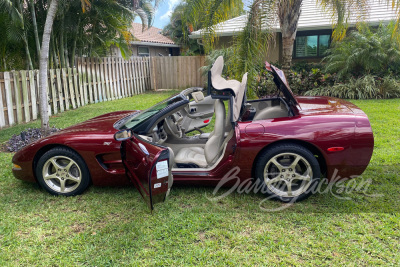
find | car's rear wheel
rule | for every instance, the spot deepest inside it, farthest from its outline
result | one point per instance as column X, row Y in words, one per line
column 62, row 171
column 288, row 172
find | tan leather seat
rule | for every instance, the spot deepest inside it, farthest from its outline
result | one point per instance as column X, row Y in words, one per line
column 219, row 83
column 208, row 155
column 237, row 106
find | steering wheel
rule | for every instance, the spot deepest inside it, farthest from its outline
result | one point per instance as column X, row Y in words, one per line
column 173, row 124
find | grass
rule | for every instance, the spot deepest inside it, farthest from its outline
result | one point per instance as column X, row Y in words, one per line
column 113, row 226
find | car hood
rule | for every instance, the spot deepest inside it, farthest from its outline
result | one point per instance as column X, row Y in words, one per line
column 101, row 124
column 282, row 84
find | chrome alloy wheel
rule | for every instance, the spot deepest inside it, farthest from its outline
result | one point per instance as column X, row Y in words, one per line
column 288, row 174
column 62, row 174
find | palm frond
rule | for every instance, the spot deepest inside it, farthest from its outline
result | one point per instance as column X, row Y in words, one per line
column 143, row 16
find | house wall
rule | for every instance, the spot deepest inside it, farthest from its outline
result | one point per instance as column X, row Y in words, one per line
column 153, row 50
column 274, row 47
column 156, row 50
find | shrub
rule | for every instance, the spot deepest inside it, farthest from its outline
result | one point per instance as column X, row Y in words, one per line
column 303, row 77
column 363, row 52
column 365, row 87
column 226, row 53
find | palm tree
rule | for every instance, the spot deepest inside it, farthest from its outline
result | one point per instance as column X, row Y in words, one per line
column 186, row 18
column 365, row 52
column 289, row 11
column 288, row 14
column 44, row 59
column 179, row 32
column 146, row 10
column 11, row 48
column 43, row 65
column 206, row 14
column 34, row 24
column 17, row 15
column 105, row 22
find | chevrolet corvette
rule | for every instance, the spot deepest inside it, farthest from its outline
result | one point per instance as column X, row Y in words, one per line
column 287, row 143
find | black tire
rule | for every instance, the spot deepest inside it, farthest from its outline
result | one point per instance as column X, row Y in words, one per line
column 67, row 173
column 276, row 169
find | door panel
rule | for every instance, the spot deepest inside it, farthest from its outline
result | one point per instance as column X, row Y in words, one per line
column 198, row 115
column 147, row 166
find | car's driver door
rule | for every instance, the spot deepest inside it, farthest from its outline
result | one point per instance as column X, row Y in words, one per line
column 198, row 114
column 148, row 167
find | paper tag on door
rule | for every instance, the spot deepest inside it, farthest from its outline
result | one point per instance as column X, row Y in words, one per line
column 162, row 169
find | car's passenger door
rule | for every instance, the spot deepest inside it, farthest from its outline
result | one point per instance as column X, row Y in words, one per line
column 198, row 115
column 148, row 167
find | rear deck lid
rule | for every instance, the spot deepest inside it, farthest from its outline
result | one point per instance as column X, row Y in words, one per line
column 282, row 84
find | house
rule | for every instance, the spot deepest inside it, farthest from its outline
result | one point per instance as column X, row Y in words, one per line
column 149, row 42
column 313, row 32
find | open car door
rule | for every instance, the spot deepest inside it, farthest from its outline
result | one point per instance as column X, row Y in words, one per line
column 148, row 166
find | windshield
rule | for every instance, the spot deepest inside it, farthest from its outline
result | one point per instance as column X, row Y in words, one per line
column 138, row 118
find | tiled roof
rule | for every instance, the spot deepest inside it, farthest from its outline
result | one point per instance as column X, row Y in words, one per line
column 151, row 35
column 312, row 17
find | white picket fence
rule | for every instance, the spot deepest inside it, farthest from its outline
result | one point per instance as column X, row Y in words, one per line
column 93, row 80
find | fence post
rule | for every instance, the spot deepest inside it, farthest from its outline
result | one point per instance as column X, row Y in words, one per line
column 59, row 88
column 32, row 88
column 17, row 92
column 76, row 88
column 65, row 88
column 9, row 100
column 110, row 86
column 71, row 88
column 25, row 95
column 123, row 76
column 53, row 91
column 2, row 118
column 99, row 81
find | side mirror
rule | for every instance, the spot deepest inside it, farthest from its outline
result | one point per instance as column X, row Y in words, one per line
column 123, row 135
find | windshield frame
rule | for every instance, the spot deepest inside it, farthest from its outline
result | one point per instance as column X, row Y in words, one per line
column 154, row 113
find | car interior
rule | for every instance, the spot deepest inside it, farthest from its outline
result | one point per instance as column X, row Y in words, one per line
column 224, row 104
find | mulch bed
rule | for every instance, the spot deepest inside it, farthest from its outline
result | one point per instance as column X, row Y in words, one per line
column 26, row 137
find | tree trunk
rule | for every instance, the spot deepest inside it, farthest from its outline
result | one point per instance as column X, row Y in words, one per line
column 62, row 58
column 28, row 54
column 66, row 51
column 73, row 52
column 35, row 29
column 288, row 14
column 24, row 37
column 53, row 48
column 44, row 56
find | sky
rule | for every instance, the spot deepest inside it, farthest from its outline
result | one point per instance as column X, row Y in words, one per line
column 163, row 13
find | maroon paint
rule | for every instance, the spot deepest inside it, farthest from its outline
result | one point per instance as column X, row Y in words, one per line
column 320, row 122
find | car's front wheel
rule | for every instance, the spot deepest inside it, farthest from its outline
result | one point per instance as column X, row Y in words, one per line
column 288, row 172
column 61, row 171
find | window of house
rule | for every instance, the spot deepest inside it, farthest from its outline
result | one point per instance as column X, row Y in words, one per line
column 143, row 51
column 311, row 46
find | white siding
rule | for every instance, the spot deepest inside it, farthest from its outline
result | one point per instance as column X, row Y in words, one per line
column 313, row 17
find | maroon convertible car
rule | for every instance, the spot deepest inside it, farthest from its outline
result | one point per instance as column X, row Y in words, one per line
column 285, row 143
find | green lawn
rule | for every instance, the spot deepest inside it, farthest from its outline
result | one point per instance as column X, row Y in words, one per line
column 113, row 226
